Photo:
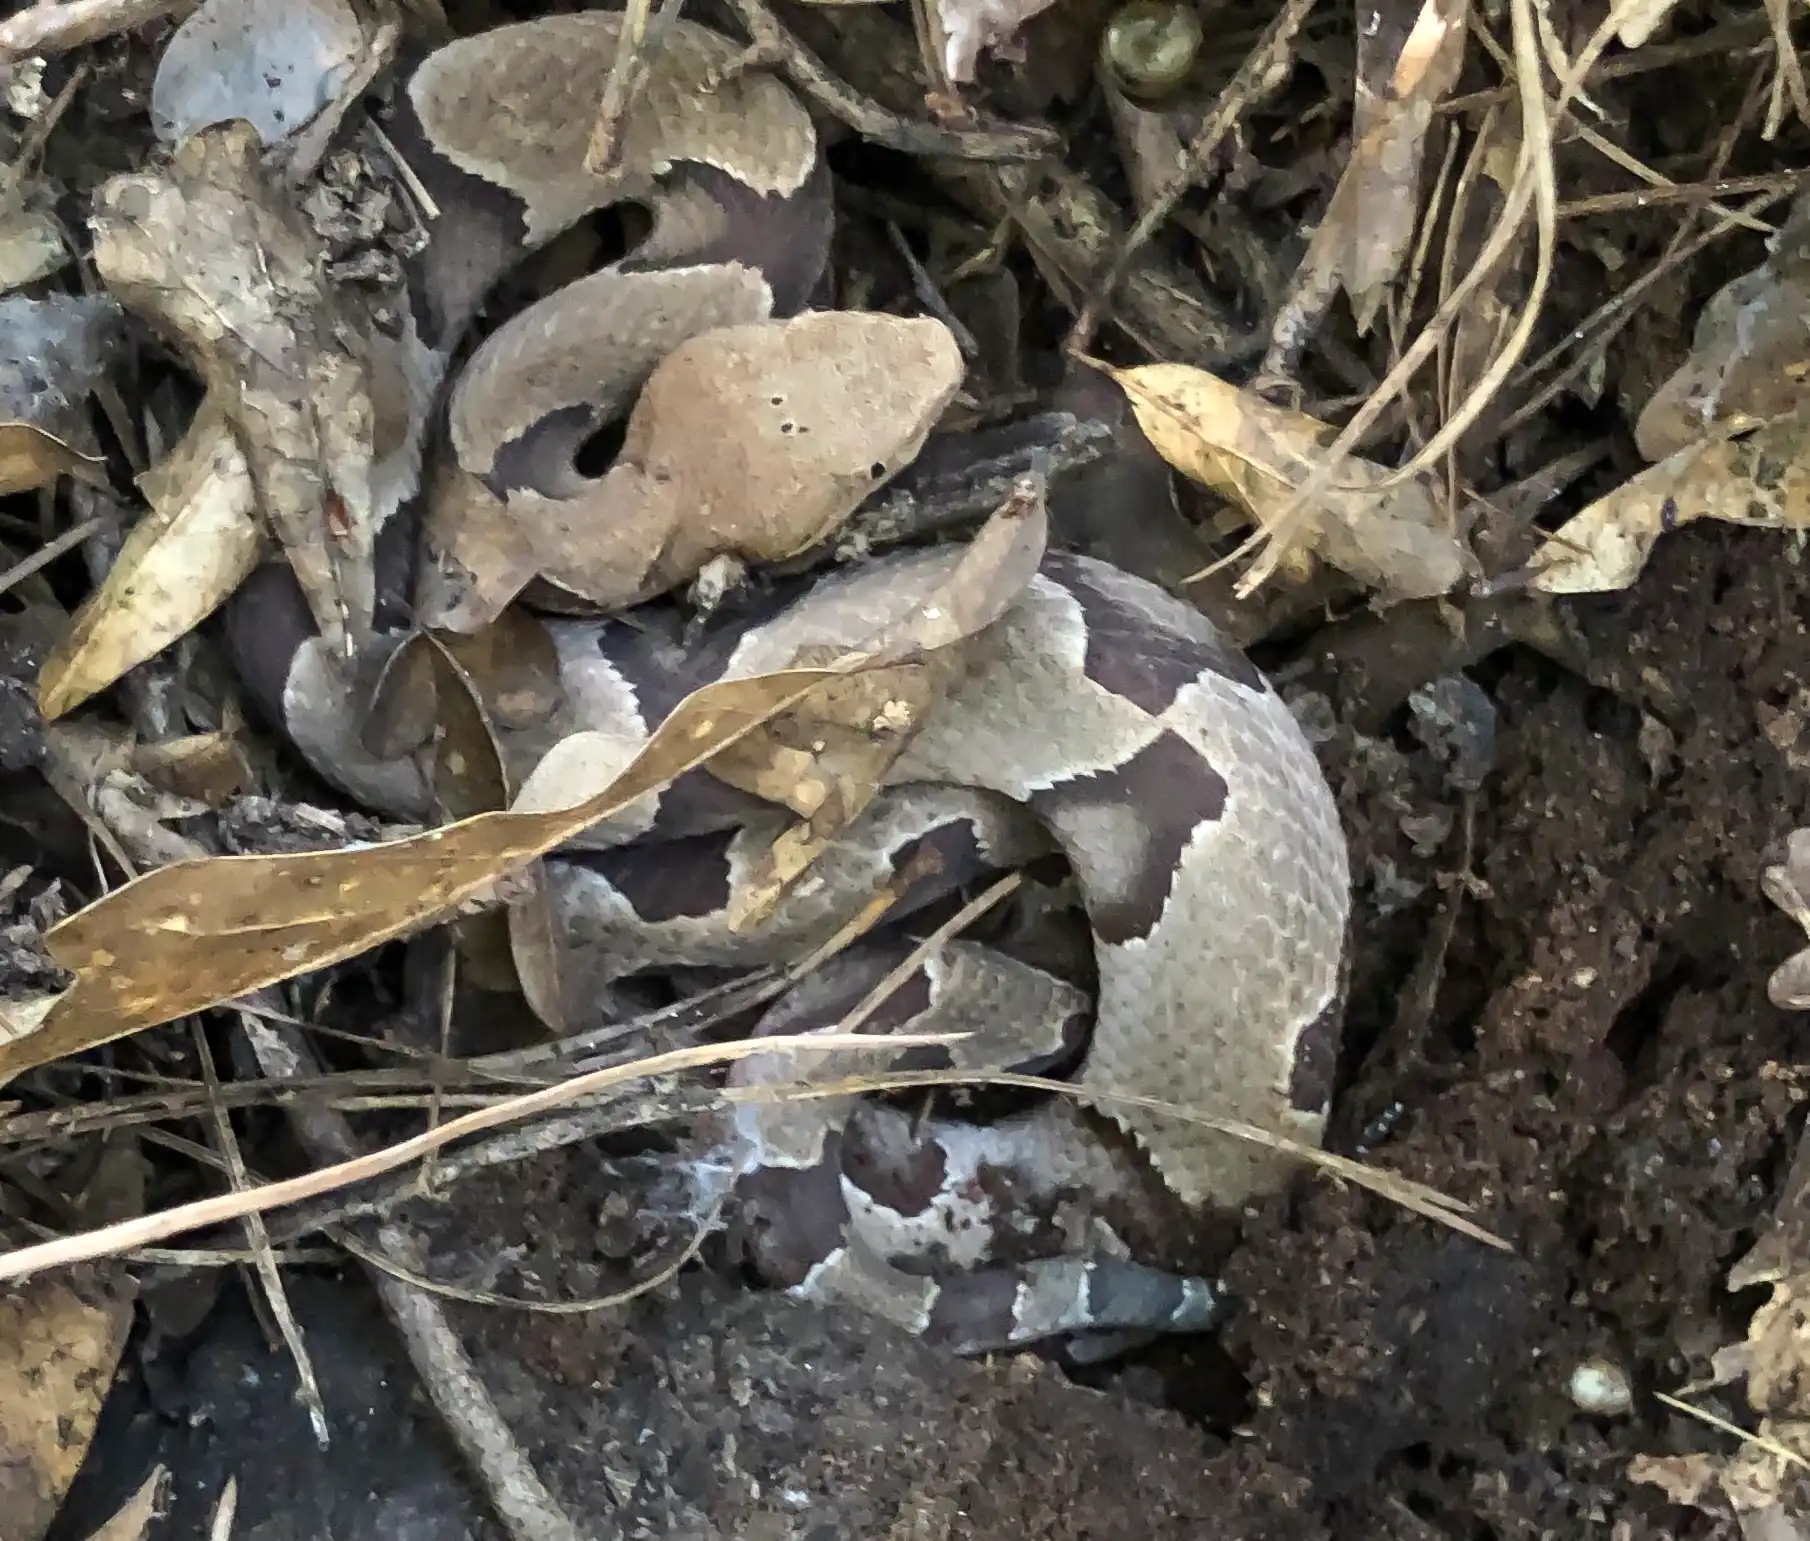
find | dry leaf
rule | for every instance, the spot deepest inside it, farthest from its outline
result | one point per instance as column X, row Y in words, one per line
column 1256, row 454
column 191, row 935
column 52, row 354
column 1409, row 53
column 753, row 441
column 213, row 254
column 200, row 541
column 206, row 768
column 273, row 63
column 59, row 1349
column 1761, row 480
column 31, row 245
column 1750, row 355
column 1788, row 886
column 133, row 1520
column 1685, row 1479
column 973, row 27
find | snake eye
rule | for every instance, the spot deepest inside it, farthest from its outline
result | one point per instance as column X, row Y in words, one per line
column 1149, row 46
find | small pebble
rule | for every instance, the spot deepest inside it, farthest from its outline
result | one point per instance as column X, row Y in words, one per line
column 1602, row 1388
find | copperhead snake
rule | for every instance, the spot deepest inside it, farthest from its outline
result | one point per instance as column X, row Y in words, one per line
column 1098, row 718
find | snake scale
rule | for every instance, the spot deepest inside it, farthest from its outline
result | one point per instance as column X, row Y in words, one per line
column 1098, row 718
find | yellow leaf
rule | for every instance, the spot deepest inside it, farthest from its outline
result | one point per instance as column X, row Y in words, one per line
column 1761, row 480
column 201, row 540
column 31, row 458
column 58, row 1354
column 1255, row 454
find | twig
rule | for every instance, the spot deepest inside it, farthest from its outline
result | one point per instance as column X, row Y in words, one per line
column 1780, row 182
column 55, row 26
column 931, row 297
column 1219, row 122
column 627, row 70
column 521, row 1500
column 51, row 550
column 772, row 43
column 943, row 492
column 86, row 1246
column 1760, row 1441
column 233, row 1160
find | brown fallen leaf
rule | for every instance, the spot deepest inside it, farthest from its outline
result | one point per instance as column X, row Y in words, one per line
column 216, row 256
column 1255, row 454
column 199, row 542
column 1750, row 355
column 60, row 1342
column 52, row 354
column 1761, row 480
column 752, row 441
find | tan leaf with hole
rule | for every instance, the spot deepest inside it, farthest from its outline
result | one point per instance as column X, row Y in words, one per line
column 1255, row 454
column 200, row 541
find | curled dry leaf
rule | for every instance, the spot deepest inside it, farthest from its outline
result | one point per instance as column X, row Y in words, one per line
column 1750, row 355
column 214, row 255
column 272, row 63
column 199, row 542
column 753, row 441
column 60, row 1342
column 1256, row 454
column 1761, row 480
column 52, row 354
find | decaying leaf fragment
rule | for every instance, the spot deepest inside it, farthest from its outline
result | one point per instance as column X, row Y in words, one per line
column 1761, row 480
column 60, row 1342
column 1409, row 53
column 201, row 539
column 1750, row 353
column 211, row 253
column 1256, row 454
column 52, row 353
column 751, row 441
